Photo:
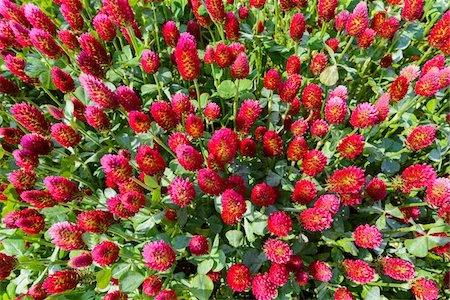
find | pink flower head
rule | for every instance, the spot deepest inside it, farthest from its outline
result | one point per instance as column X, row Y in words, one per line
column 320, row 271
column 186, row 56
column 158, row 256
column 316, row 219
column 62, row 189
column 105, row 253
column 181, row 191
column 367, row 236
column 279, row 223
column 397, row 268
column 233, row 207
column 359, row 271
column 67, row 236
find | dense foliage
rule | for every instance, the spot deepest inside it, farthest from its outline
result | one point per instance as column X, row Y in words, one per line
column 189, row 149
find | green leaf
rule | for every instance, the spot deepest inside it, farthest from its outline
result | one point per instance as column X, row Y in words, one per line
column 245, row 85
column 164, row 75
column 329, row 76
column 390, row 166
column 149, row 89
column 202, row 287
column 103, row 277
column 348, row 247
column 431, row 105
column 235, row 238
column 151, row 182
column 373, row 294
column 130, row 281
column 120, row 269
column 205, row 266
column 227, row 89
column 202, row 11
column 418, row 246
column 181, row 241
column 14, row 246
column 315, row 43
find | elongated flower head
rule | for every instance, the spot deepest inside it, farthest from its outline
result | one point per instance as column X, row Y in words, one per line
column 104, row 27
column 440, row 33
column 37, row 144
column 216, row 10
column 150, row 160
column 68, row 39
column 412, row 10
column 38, row 19
column 120, row 11
column 39, row 199
column 62, row 189
column 272, row 80
column 12, row 135
column 358, row 21
column 65, row 135
column 95, row 221
column 318, row 64
column 312, row 97
column 233, row 207
column 297, row 149
column 97, row 118
column 223, row 145
column 94, row 48
column 163, row 114
column 366, row 38
column 98, row 91
column 335, row 110
column 326, row 9
column 186, row 56
column 428, row 85
column 210, row 182
column 397, row 268
column 150, row 61
column 240, row 68
column 231, row 27
column 297, row 27
column 8, row 87
column 203, row 19
column 158, row 256
column 171, row 33
column 30, row 117
column 421, row 137
column 341, row 21
column 272, row 144
column 194, row 126
column 389, row 28
column 26, row 159
column 22, row 179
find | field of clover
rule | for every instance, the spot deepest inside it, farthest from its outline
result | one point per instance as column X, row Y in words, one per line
column 225, row 149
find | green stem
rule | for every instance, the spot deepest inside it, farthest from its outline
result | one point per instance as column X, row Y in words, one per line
column 269, row 108
column 197, row 89
column 235, row 104
column 349, row 43
column 158, row 86
column 156, row 27
column 161, row 143
column 424, row 56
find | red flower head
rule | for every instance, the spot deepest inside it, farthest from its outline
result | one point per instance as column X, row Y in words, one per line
column 359, row 271
column 312, row 97
column 240, row 68
column 366, row 38
column 55, row 112
column 248, row 114
column 62, row 189
column 203, row 19
column 233, row 207
column 243, row 12
column 279, row 223
column 335, row 110
column 388, row 28
column 305, row 191
column 231, row 26
column 60, row 281
column 397, row 268
column 376, row 189
column 288, row 90
column 177, row 139
column 26, row 159
column 428, row 84
column 421, row 137
column 193, row 28
column 319, row 127
column 152, row 285
column 22, row 179
column 313, row 163
column 210, row 182
column 293, row 65
column 37, row 292
column 72, row 17
column 181, row 104
column 120, row 11
column 383, row 107
column 65, row 135
column 166, row 295
column 105, row 253
column 378, row 20
column 367, row 236
column 118, row 209
column 164, row 115
column 132, row 200
column 96, row 221
column 278, row 274
column 171, row 33
column 326, row 9
column 116, row 295
column 38, row 19
column 297, row 149
column 158, row 256
column 209, row 55
column 299, row 127
column 341, row 20
column 68, row 39
column 412, row 10
column 12, row 135
column 89, row 65
column 194, row 126
column 128, row 99
column 39, row 199
column 98, row 91
column 150, row 160
column 239, row 277
column 236, row 183
column 189, row 158
column 364, row 115
column 30, row 117
column 66, row 235
column 399, row 88
column 116, row 167
column 257, row 3
column 348, row 180
column 417, row 176
column 37, row 144
column 223, row 145
column 358, row 21
column 333, row 44
column 150, row 61
column 8, row 87
column 272, row 144
column 16, row 66
column 11, row 12
column 198, row 245
column 248, row 147
column 186, row 56
column 318, row 64
column 263, row 195
column 31, row 224
column 444, row 77
column 94, row 48
column 438, row 192
column 139, row 121
column 212, row 111
column 223, row 55
column 181, row 191
column 216, row 10
column 277, row 251
column 263, row 288
column 343, row 293
column 328, row 202
column 320, row 271
column 316, row 219
column 104, row 27
column 297, row 27
column 440, row 33
column 351, row 146
column 425, row 289
column 272, row 80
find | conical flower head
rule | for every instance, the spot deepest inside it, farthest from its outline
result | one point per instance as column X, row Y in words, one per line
column 224, row 144
column 62, row 189
column 150, row 61
column 97, row 118
column 203, row 19
column 7, row 264
column 248, row 114
column 68, row 39
column 358, row 21
column 326, row 9
column 378, row 20
column 89, row 65
column 389, row 28
column 67, row 236
column 194, row 126
column 163, row 114
column 12, row 135
column 120, row 11
column 341, row 20
column 178, row 139
column 81, row 261
column 104, row 27
column 210, row 182
column 21, row 33
column 318, row 64
column 335, row 110
column 240, row 68
column 216, row 10
column 94, row 48
column 105, row 253
column 44, row 42
column 26, row 159
column 150, row 160
column 186, row 56
column 428, row 85
column 297, row 27
column 30, row 117
column 312, row 97
column 412, row 10
column 189, row 158
column 364, row 115
column 37, row 144
column 297, row 149
column 60, row 281
column 72, row 17
column 421, row 137
column 272, row 144
column 399, row 88
column 13, row 13
column 181, row 191
column 223, row 55
column 139, row 121
column 22, row 179
column 181, row 104
column 440, row 33
column 272, row 80
column 38, row 18
column 397, row 268
column 231, row 27
column 128, row 99
column 293, row 65
column 98, row 91
column 8, row 87
column 65, row 135
column 171, row 33
column 366, row 38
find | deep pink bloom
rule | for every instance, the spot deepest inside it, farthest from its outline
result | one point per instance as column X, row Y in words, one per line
column 60, row 281
column 320, row 271
column 67, row 236
column 186, row 55
column 181, row 191
column 158, row 255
